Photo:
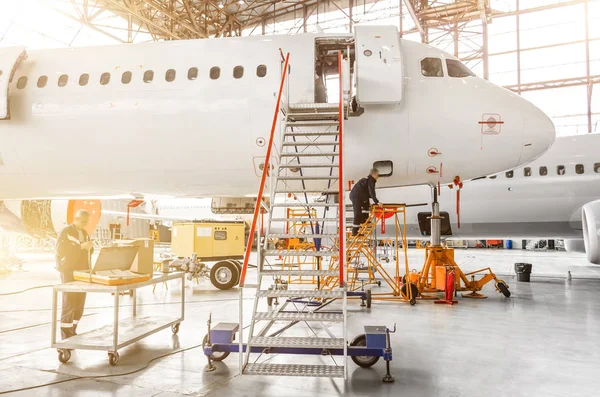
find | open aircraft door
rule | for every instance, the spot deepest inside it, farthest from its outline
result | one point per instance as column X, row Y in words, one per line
column 9, row 60
column 379, row 74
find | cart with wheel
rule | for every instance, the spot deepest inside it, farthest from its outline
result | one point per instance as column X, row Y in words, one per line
column 122, row 332
column 365, row 349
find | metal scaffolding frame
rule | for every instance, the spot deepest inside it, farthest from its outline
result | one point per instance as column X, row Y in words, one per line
column 458, row 26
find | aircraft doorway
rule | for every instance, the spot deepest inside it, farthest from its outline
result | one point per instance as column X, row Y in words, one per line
column 327, row 69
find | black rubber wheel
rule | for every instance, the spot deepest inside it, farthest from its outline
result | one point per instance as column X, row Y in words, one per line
column 412, row 302
column 379, row 283
column 503, row 288
column 113, row 358
column 224, row 275
column 216, row 356
column 363, row 361
column 239, row 266
column 387, row 260
column 175, row 328
column 413, row 289
column 369, row 299
column 64, row 356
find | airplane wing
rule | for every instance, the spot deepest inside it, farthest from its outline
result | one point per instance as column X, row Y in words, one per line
column 150, row 217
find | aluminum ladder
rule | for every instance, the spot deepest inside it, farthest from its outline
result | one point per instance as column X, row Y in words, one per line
column 307, row 176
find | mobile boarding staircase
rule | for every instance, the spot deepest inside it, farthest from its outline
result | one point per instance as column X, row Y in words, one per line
column 308, row 176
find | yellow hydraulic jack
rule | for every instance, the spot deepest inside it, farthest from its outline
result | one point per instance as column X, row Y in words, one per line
column 439, row 260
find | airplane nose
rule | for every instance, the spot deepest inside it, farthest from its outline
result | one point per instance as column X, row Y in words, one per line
column 538, row 133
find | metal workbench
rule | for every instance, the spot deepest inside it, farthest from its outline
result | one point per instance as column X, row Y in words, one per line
column 120, row 333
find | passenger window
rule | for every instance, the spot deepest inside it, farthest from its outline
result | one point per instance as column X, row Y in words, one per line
column 261, row 70
column 148, row 76
column 126, row 78
column 597, row 168
column 62, row 80
column 215, row 73
column 170, row 75
column 193, row 74
column 493, row 176
column 527, row 171
column 22, row 82
column 579, row 169
column 543, row 171
column 385, row 167
column 42, row 81
column 84, row 79
column 105, row 78
column 457, row 69
column 238, row 72
column 560, row 170
column 432, row 67
column 509, row 174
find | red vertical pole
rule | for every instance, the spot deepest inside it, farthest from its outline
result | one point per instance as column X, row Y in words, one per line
column 342, row 208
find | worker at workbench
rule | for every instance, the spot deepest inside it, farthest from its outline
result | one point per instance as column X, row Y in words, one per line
column 360, row 195
column 73, row 252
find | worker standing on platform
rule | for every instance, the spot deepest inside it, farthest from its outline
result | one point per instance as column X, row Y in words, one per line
column 73, row 252
column 360, row 195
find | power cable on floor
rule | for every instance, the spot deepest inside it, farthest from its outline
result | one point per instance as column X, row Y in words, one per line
column 28, row 289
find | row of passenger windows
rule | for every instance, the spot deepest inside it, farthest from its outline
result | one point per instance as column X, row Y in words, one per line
column 148, row 76
column 560, row 170
column 432, row 67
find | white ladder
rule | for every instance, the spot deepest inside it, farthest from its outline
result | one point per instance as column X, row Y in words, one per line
column 307, row 178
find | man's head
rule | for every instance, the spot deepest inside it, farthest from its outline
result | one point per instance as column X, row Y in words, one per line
column 82, row 219
column 374, row 173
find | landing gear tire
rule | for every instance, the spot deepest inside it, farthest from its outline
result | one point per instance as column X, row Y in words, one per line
column 64, row 355
column 414, row 292
column 502, row 287
column 369, row 299
column 113, row 358
column 175, row 328
column 363, row 361
column 216, row 356
column 239, row 266
column 224, row 275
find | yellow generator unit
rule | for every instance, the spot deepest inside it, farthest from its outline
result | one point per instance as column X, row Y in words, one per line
column 209, row 240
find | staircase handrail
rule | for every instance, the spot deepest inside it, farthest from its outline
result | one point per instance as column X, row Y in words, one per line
column 265, row 172
column 342, row 208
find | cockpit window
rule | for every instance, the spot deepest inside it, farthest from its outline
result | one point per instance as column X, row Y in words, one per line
column 432, row 67
column 457, row 69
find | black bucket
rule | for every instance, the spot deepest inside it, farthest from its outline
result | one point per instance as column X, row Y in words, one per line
column 523, row 271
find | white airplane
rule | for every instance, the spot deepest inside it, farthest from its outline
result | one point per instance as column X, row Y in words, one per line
column 555, row 197
column 190, row 118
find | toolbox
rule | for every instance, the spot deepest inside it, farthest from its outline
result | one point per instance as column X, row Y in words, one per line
column 113, row 267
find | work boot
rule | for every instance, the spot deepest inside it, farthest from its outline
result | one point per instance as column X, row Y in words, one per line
column 67, row 332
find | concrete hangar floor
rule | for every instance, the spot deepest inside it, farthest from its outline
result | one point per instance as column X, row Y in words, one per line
column 542, row 341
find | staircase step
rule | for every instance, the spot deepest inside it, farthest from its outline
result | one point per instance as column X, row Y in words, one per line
column 330, row 165
column 312, row 123
column 287, row 341
column 310, row 154
column 300, row 191
column 294, row 220
column 298, row 204
column 299, row 253
column 292, row 144
column 314, row 106
column 298, row 272
column 314, row 235
column 303, row 370
column 308, row 178
column 313, row 116
column 291, row 316
column 311, row 133
column 300, row 293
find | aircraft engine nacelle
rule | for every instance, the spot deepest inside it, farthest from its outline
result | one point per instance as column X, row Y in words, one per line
column 575, row 245
column 46, row 218
column 590, row 222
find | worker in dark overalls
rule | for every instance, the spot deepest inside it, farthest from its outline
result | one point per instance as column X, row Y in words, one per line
column 73, row 252
column 360, row 195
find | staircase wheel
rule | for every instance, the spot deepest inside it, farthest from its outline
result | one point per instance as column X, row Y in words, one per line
column 502, row 287
column 216, row 356
column 363, row 361
column 413, row 289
